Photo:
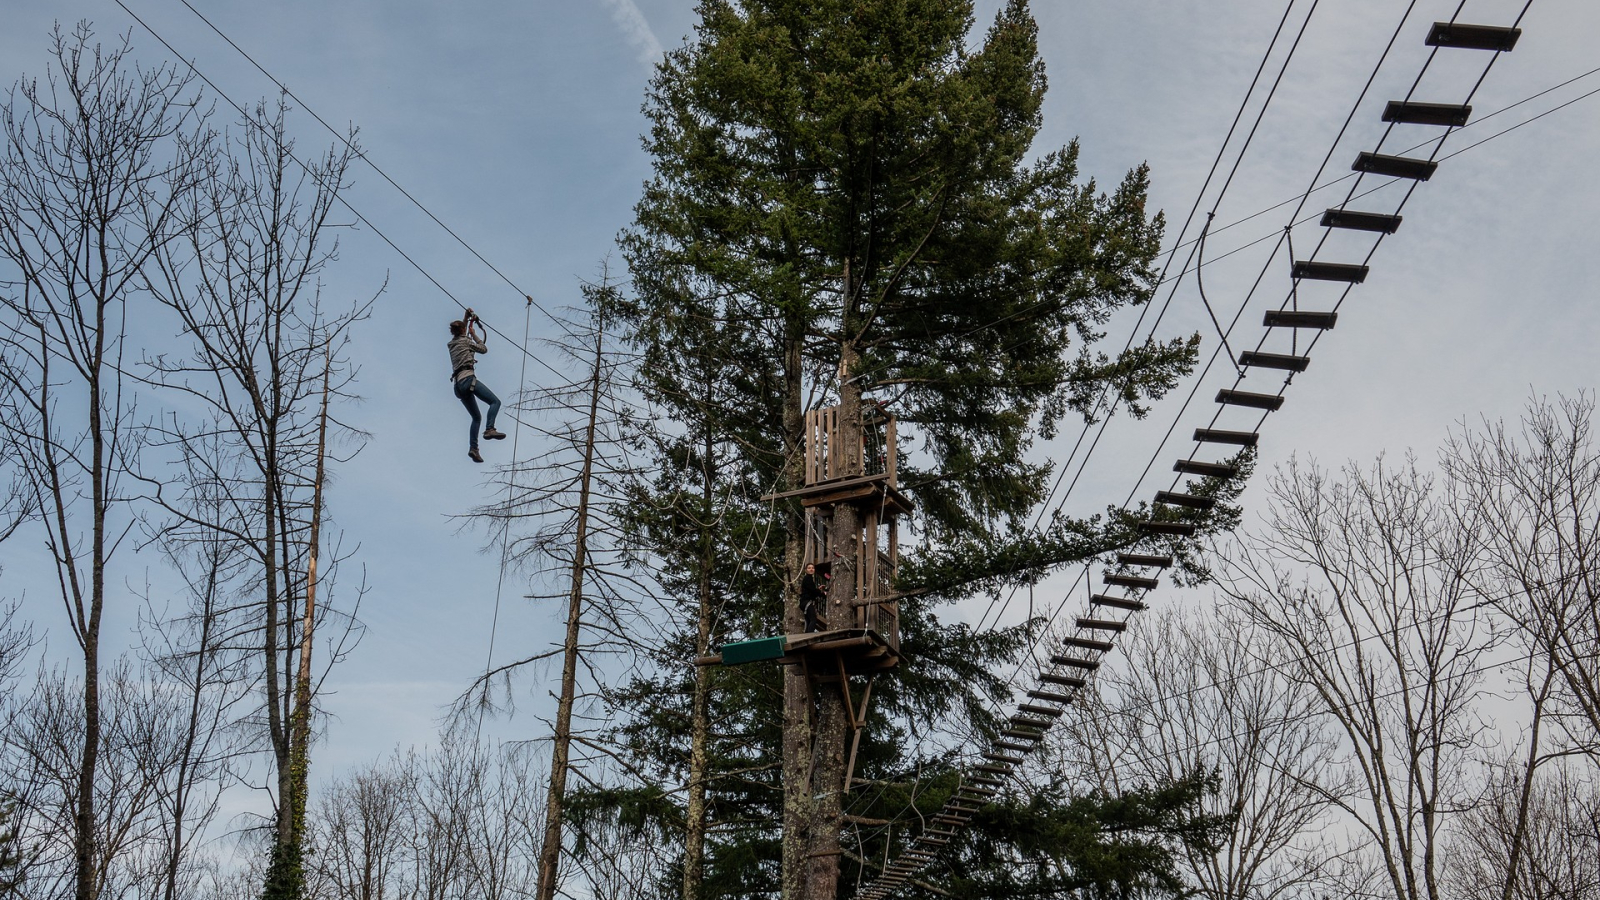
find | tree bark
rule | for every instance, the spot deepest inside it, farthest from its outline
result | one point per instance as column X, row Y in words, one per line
column 550, row 853
column 833, row 722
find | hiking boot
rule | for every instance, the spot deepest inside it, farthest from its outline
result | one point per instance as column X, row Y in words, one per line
column 490, row 434
column 476, row 456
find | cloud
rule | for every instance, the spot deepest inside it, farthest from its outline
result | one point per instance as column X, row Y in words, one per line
column 634, row 26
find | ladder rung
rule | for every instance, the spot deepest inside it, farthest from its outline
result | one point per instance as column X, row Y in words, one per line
column 936, row 841
column 984, row 779
column 1287, row 318
column 1410, row 112
column 1037, row 710
column 1461, row 36
column 1311, row 270
column 1261, row 360
column 1071, row 681
column 1102, row 624
column 1208, row 469
column 1117, row 602
column 1181, row 529
column 1132, row 581
column 1050, row 696
column 1086, row 664
column 1012, row 745
column 1361, row 221
column 1083, row 643
column 1219, row 436
column 1031, row 735
column 1174, row 498
column 980, row 791
column 1394, row 166
column 940, row 833
column 1002, row 759
column 1143, row 559
column 1245, row 398
column 991, row 767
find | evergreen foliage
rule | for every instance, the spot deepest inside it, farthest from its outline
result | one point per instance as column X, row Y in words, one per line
column 847, row 200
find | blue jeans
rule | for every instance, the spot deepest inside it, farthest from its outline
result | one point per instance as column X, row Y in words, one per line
column 469, row 391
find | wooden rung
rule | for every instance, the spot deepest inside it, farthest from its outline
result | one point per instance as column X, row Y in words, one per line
column 1012, row 745
column 1180, row 529
column 1083, row 643
column 1051, row 696
column 1037, row 710
column 1288, row 318
column 1117, row 602
column 1101, row 624
column 1071, row 681
column 1220, row 436
column 991, row 767
column 1461, row 36
column 1138, row 582
column 1143, row 559
column 1245, row 398
column 1173, row 498
column 1312, row 270
column 1025, row 734
column 1385, row 223
column 1285, row 361
column 1394, row 166
column 1002, row 758
column 979, row 791
column 1410, row 112
column 940, row 833
column 984, row 779
column 1208, row 469
column 1075, row 663
column 1027, row 722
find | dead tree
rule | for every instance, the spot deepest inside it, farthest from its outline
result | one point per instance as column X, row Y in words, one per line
column 555, row 521
column 98, row 163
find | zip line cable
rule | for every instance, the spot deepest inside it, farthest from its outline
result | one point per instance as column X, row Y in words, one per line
column 337, row 193
column 368, row 160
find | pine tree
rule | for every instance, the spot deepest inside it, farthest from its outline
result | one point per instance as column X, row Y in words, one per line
column 845, row 204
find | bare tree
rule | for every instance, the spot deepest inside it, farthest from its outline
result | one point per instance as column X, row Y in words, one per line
column 1363, row 583
column 200, row 656
column 1537, row 496
column 142, row 742
column 1542, row 844
column 266, row 354
column 1203, row 692
column 98, row 163
column 557, row 520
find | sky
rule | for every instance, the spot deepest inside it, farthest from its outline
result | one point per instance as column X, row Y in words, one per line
column 518, row 123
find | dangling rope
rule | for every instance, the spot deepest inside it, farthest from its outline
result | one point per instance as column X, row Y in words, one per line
column 505, row 535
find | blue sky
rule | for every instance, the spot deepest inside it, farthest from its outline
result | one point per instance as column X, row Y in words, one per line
column 517, row 124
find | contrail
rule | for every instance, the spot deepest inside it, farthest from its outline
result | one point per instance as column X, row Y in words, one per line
column 632, row 22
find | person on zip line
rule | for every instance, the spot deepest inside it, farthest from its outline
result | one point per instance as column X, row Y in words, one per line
column 465, row 344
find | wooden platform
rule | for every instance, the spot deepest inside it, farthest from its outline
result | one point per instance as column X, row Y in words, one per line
column 844, row 490
column 861, row 650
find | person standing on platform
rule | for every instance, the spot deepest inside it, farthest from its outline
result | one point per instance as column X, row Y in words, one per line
column 813, row 596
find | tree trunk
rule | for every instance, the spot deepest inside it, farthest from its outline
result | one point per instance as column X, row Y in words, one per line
column 694, row 838
column 286, row 876
column 796, row 684
column 550, row 853
column 833, row 723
